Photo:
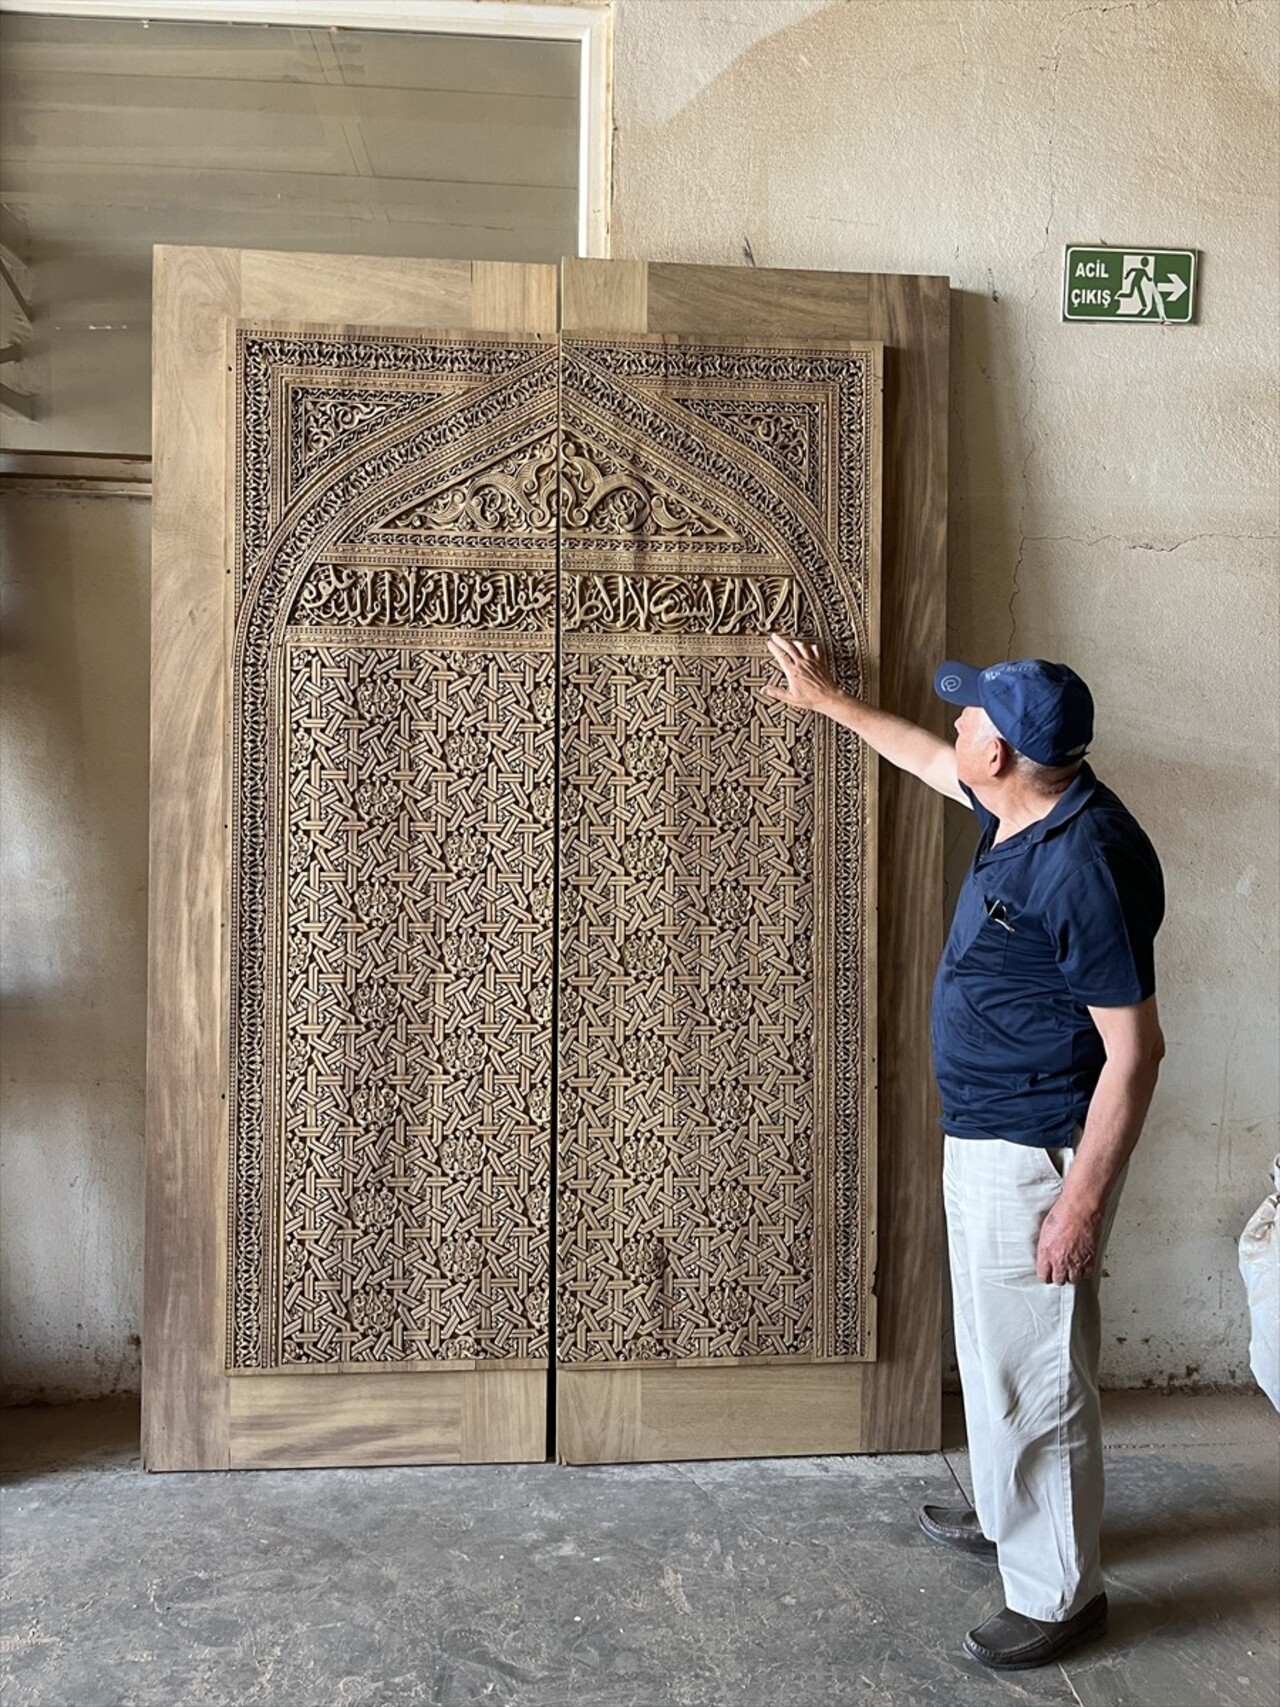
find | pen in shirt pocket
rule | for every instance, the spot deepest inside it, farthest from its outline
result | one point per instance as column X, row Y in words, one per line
column 998, row 913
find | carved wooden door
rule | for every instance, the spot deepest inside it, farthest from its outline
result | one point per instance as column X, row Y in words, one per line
column 392, row 819
column 716, row 1210
column 457, row 738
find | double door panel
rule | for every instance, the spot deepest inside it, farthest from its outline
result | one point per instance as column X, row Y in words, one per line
column 717, row 867
column 546, row 1021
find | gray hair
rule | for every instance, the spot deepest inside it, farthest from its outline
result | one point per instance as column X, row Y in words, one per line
column 1043, row 779
column 1046, row 779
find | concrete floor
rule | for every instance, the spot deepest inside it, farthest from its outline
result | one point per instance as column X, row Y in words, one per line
column 787, row 1583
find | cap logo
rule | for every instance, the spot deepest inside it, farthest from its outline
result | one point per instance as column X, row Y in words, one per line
column 950, row 684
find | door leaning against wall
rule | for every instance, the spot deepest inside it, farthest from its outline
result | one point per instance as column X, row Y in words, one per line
column 494, row 911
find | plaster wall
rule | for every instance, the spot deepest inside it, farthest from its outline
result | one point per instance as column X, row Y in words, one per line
column 1113, row 503
column 74, row 609
column 1113, row 488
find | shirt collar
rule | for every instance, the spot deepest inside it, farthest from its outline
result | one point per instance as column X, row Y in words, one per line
column 1073, row 799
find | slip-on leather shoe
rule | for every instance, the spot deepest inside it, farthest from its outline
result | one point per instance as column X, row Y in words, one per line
column 1013, row 1642
column 958, row 1527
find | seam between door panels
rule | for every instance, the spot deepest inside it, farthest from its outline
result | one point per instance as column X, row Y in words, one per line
column 553, row 1160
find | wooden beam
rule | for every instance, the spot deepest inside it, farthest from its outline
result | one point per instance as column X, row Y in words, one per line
column 44, row 474
column 17, row 281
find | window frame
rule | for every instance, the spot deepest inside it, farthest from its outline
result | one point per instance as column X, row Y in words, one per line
column 589, row 23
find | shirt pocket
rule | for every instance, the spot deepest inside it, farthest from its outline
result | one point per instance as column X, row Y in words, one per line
column 982, row 945
column 1021, row 946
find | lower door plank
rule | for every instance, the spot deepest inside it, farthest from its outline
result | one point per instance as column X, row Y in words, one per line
column 314, row 1421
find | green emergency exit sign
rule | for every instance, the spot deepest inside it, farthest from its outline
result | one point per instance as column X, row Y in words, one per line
column 1152, row 285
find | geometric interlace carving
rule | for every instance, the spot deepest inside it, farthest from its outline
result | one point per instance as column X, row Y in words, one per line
column 418, row 1054
column 685, row 1165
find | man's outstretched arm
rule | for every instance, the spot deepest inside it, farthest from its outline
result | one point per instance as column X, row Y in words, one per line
column 811, row 686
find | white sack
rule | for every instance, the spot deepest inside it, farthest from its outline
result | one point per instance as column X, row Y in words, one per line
column 1260, row 1266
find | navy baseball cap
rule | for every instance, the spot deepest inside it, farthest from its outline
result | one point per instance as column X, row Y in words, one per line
column 1043, row 710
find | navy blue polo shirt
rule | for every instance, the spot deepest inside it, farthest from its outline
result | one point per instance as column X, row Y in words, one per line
column 1059, row 918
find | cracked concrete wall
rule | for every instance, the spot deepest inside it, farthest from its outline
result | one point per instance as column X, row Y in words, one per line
column 1113, row 491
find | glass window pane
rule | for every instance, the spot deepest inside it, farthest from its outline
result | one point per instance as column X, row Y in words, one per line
column 115, row 135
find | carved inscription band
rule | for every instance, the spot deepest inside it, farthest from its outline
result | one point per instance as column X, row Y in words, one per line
column 358, row 595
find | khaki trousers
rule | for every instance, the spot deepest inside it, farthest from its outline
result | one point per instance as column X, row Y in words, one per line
column 1028, row 1356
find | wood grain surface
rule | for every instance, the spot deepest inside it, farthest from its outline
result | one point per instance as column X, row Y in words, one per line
column 610, row 1416
column 445, row 1417
column 184, row 1418
column 902, row 1400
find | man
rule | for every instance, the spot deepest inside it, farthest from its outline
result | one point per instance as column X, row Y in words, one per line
column 1046, row 1047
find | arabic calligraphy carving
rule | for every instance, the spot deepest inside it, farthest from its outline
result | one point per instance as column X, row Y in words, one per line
column 411, row 595
column 669, row 604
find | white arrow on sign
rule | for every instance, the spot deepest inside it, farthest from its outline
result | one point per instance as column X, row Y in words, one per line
column 1173, row 288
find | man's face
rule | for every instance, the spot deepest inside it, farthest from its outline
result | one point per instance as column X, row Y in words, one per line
column 977, row 747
